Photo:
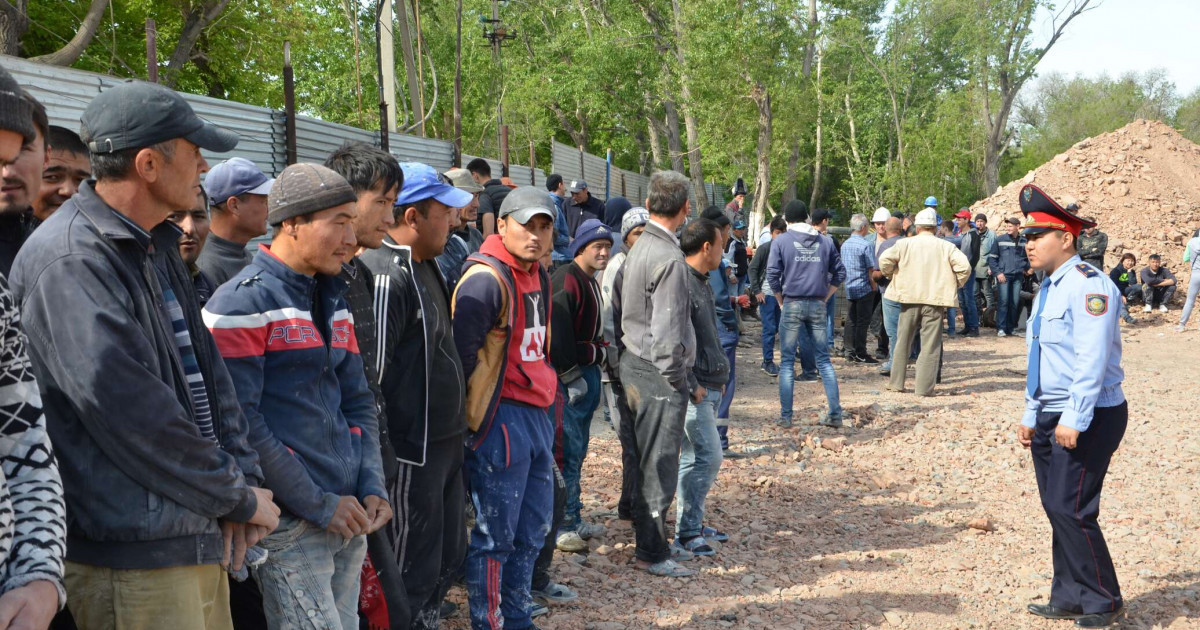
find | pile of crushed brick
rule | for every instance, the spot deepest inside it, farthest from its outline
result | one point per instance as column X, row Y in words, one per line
column 1140, row 182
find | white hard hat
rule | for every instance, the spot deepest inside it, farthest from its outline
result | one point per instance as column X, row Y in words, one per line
column 926, row 218
column 881, row 216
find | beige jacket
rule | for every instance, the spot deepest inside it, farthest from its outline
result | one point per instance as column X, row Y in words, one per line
column 924, row 269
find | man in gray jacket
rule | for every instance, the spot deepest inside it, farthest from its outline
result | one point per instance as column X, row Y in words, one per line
column 159, row 477
column 660, row 348
column 983, row 282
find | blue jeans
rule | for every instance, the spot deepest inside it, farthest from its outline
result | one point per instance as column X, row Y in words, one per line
column 729, row 343
column 1008, row 296
column 311, row 576
column 577, row 431
column 699, row 461
column 830, row 309
column 512, row 488
column 769, row 313
column 804, row 323
column 891, row 321
column 951, row 315
column 966, row 301
column 1190, row 302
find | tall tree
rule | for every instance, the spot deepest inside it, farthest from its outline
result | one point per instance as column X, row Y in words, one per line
column 71, row 51
column 1006, row 59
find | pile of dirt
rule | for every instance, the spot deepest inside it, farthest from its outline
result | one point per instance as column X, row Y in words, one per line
column 1140, row 182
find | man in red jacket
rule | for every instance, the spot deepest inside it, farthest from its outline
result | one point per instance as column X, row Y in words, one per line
column 501, row 313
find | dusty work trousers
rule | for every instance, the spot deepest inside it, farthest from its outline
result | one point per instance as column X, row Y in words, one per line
column 429, row 531
column 1069, row 483
column 179, row 598
column 623, row 423
column 928, row 321
column 658, row 414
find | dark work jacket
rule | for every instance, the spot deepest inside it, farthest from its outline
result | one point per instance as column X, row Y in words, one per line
column 405, row 358
column 758, row 267
column 15, row 227
column 712, row 366
column 577, row 213
column 144, row 488
column 1008, row 256
column 494, row 194
column 579, row 341
column 360, row 298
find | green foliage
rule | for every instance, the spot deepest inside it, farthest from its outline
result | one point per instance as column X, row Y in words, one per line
column 913, row 77
column 1061, row 111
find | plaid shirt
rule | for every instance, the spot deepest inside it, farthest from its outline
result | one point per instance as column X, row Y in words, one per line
column 859, row 258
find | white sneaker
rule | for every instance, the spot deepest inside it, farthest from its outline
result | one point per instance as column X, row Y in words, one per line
column 570, row 542
column 1000, row 333
column 1147, row 309
column 1018, row 333
column 1162, row 308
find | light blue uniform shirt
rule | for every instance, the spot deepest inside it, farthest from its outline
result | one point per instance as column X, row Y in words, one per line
column 1080, row 341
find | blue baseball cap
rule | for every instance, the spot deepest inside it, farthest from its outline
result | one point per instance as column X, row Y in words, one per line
column 233, row 177
column 421, row 182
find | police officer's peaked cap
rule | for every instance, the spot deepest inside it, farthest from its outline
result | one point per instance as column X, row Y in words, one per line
column 1043, row 214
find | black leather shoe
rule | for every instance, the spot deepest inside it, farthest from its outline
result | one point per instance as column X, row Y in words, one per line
column 1052, row 612
column 1100, row 620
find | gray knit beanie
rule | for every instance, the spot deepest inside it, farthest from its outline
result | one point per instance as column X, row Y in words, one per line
column 16, row 114
column 304, row 189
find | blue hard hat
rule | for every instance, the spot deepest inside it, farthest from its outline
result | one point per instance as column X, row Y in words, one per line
column 931, row 202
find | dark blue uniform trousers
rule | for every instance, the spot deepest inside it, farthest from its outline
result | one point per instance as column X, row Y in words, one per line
column 512, row 487
column 1069, row 482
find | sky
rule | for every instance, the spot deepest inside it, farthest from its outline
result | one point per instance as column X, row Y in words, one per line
column 1119, row 36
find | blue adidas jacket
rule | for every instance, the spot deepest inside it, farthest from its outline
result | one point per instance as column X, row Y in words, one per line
column 803, row 264
column 300, row 381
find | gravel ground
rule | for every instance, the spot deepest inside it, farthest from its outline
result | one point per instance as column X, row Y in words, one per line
column 923, row 514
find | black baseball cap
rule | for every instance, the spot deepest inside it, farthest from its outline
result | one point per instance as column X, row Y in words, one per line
column 137, row 114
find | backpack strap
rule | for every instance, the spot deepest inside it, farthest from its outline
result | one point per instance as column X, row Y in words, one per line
column 504, row 317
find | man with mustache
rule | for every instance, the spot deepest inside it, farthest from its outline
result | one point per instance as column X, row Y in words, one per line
column 193, row 222
column 20, row 182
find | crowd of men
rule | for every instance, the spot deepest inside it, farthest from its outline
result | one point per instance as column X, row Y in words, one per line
column 393, row 392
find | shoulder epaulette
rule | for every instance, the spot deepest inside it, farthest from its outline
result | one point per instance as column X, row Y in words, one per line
column 1087, row 270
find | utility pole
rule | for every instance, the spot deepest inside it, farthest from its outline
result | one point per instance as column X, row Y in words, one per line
column 384, row 110
column 387, row 62
column 497, row 33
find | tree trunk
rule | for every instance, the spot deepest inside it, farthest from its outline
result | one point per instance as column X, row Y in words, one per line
column 793, row 173
column 817, row 153
column 410, row 63
column 674, row 143
column 810, row 48
column 762, row 179
column 654, row 129
column 71, row 51
column 695, row 166
column 14, row 21
column 194, row 24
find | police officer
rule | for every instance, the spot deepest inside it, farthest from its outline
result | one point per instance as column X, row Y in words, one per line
column 1075, row 411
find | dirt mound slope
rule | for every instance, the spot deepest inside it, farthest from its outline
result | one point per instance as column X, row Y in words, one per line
column 1140, row 182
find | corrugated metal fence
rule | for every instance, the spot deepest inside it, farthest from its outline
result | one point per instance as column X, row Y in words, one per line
column 573, row 164
column 66, row 92
column 520, row 174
